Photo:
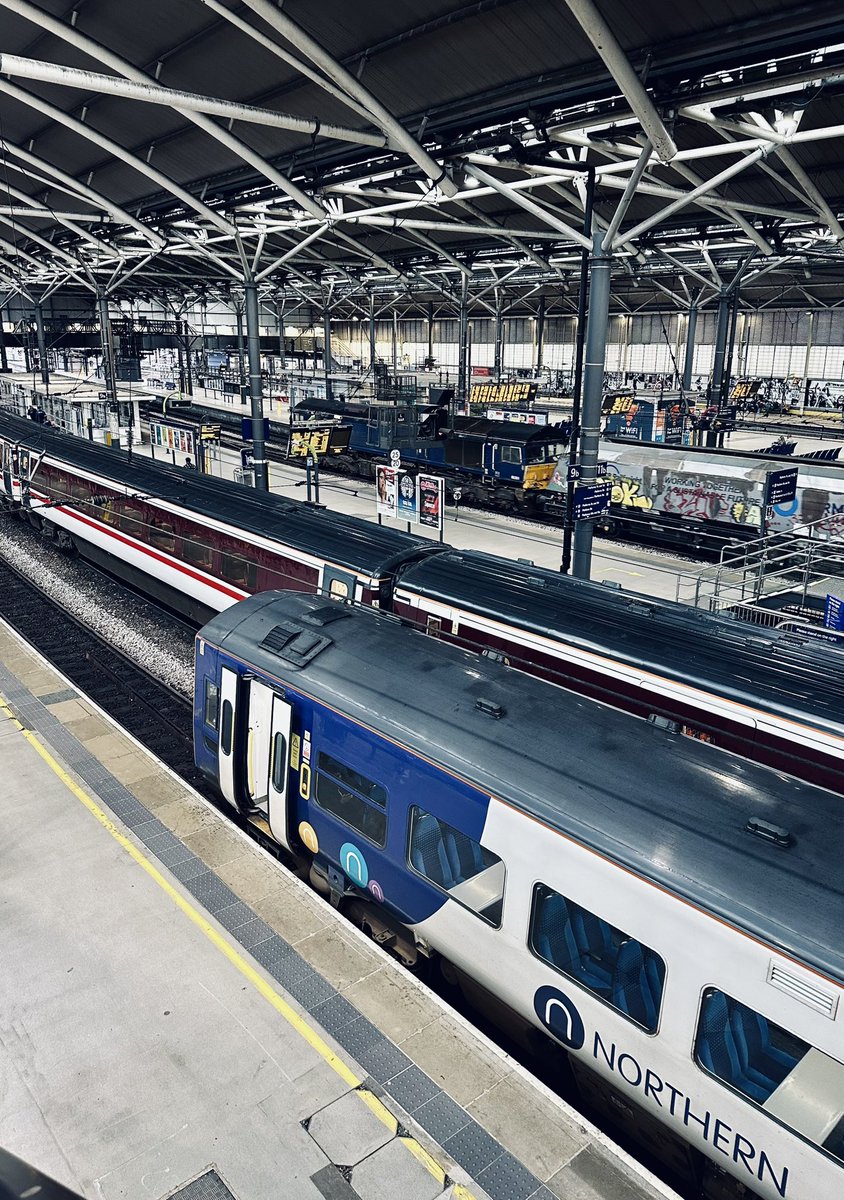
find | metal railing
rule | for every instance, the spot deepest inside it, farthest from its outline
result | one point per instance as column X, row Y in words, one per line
column 794, row 567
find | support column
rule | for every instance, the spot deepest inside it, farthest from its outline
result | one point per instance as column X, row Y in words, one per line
column 430, row 333
column 253, row 337
column 372, row 354
column 809, row 341
column 241, row 366
column 42, row 345
column 109, row 376
column 731, row 345
column 498, row 339
column 540, row 333
column 721, row 333
column 395, row 343
column 4, row 360
column 326, row 352
column 691, row 330
column 463, row 343
column 279, row 325
column 593, row 387
column 188, row 343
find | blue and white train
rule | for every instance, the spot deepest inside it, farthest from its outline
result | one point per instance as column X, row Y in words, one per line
column 667, row 913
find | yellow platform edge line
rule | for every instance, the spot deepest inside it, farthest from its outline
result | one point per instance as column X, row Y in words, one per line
column 237, row 960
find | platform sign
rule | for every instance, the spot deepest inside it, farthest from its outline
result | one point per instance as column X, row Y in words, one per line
column 781, row 486
column 210, row 433
column 310, row 441
column 590, row 500
column 502, row 394
column 833, row 615
column 246, row 429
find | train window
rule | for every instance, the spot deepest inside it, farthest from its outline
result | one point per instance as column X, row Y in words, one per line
column 792, row 1081
column 162, row 535
column 279, row 762
column 239, row 571
column 352, row 798
column 227, row 727
column 601, row 958
column 212, row 703
column 132, row 521
column 511, row 454
column 338, row 589
column 457, row 864
column 197, row 553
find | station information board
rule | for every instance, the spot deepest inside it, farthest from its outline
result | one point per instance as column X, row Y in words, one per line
column 590, row 500
column 499, row 394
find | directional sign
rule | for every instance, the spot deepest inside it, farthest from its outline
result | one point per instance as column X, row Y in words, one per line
column 246, row 429
column 781, row 487
column 833, row 617
column 590, row 500
column 574, row 472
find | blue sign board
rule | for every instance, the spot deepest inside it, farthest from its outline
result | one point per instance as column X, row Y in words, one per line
column 781, row 487
column 246, row 429
column 833, row 614
column 590, row 500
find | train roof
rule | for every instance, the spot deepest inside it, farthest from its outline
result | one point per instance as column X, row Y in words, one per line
column 779, row 672
column 730, row 464
column 506, row 431
column 341, row 539
column 669, row 808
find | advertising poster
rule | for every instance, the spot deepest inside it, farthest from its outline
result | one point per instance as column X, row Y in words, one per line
column 429, row 500
column 385, row 491
column 406, row 502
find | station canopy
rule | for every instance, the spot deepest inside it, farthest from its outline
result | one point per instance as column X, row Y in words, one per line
column 344, row 154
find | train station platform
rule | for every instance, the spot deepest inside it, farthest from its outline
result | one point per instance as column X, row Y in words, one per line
column 182, row 1017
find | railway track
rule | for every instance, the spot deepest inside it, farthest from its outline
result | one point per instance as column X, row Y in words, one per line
column 150, row 710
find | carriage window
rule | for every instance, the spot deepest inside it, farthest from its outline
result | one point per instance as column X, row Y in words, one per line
column 239, row 571
column 279, row 762
column 132, row 521
column 162, row 536
column 338, row 589
column 227, row 730
column 457, row 864
column 197, row 553
column 511, row 454
column 602, row 959
column 799, row 1085
column 352, row 798
column 212, row 703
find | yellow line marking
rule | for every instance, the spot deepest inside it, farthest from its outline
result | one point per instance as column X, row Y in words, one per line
column 236, row 959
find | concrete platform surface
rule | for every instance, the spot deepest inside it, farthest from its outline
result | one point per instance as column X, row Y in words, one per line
column 180, row 1016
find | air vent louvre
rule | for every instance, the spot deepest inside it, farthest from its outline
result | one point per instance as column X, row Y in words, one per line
column 803, row 990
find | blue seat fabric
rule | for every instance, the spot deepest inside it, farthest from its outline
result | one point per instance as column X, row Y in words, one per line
column 734, row 1044
column 428, row 851
column 561, row 937
column 637, row 983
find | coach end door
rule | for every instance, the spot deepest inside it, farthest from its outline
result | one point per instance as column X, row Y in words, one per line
column 267, row 756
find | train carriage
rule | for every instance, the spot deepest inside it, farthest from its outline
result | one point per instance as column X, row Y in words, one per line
column 198, row 543
column 668, row 915
column 768, row 696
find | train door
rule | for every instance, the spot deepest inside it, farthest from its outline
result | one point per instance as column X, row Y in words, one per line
column 339, row 585
column 228, row 712
column 7, row 469
column 267, row 752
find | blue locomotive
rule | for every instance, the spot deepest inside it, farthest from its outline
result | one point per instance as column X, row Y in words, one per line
column 666, row 913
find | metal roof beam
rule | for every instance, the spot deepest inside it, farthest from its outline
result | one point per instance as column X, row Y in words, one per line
column 616, row 62
column 573, row 235
column 398, row 136
column 150, row 93
column 44, row 172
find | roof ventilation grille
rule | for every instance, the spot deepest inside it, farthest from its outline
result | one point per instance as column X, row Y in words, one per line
column 803, row 990
column 296, row 646
column 768, row 832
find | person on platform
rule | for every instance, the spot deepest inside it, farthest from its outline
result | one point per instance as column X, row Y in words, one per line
column 189, row 465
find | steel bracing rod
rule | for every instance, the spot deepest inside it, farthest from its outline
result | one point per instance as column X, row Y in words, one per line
column 66, row 219
column 398, row 136
column 44, row 172
column 286, row 56
column 528, row 205
column 690, row 197
column 290, row 254
column 118, row 279
column 813, row 195
column 741, row 221
column 618, row 65
column 668, row 192
column 101, row 54
column 75, row 264
column 627, row 196
column 149, row 93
